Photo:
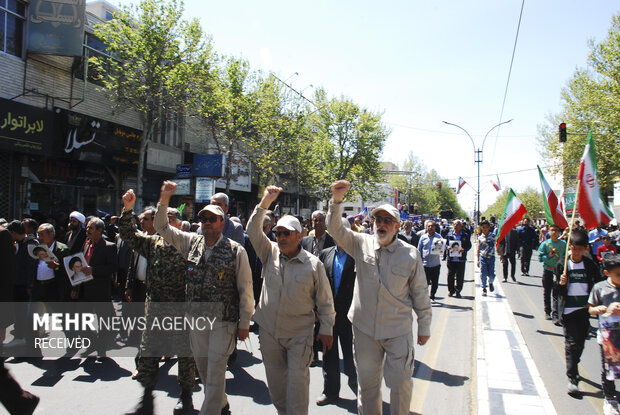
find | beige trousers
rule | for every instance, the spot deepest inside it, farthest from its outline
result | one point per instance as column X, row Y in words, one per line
column 389, row 358
column 211, row 349
column 288, row 377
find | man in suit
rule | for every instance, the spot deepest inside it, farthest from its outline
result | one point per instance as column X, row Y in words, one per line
column 340, row 270
column 102, row 263
column 321, row 239
column 508, row 249
column 51, row 282
column 76, row 236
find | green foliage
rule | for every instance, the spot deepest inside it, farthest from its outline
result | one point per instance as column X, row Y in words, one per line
column 421, row 187
column 590, row 100
column 531, row 199
column 347, row 141
column 155, row 58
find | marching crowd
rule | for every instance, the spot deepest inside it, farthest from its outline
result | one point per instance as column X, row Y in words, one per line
column 304, row 287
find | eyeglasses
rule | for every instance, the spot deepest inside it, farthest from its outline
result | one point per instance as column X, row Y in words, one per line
column 381, row 219
column 286, row 233
column 210, row 219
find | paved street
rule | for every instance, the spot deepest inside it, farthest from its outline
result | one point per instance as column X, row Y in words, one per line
column 445, row 376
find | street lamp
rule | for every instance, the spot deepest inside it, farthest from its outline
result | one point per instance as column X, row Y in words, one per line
column 477, row 159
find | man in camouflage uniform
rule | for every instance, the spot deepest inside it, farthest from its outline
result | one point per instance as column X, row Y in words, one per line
column 165, row 283
column 218, row 273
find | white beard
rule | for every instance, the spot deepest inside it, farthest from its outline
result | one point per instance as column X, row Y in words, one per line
column 384, row 239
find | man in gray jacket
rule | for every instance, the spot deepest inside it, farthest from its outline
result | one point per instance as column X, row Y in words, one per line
column 294, row 284
column 390, row 283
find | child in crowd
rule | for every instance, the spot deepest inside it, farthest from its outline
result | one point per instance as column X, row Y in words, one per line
column 486, row 256
column 606, row 247
column 605, row 299
column 574, row 286
column 550, row 252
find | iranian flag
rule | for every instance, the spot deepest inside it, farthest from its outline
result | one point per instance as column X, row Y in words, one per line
column 496, row 184
column 513, row 212
column 461, row 184
column 563, row 203
column 553, row 210
column 592, row 209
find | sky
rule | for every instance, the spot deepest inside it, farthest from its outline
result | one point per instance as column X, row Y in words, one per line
column 423, row 62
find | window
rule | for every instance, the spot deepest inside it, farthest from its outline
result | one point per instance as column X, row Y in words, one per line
column 92, row 47
column 109, row 15
column 12, row 18
column 171, row 131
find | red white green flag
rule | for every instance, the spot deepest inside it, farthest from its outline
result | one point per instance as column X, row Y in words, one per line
column 495, row 183
column 592, row 209
column 553, row 210
column 513, row 212
column 462, row 183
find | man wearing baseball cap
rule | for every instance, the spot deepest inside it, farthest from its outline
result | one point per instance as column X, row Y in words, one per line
column 218, row 272
column 390, row 283
column 294, row 284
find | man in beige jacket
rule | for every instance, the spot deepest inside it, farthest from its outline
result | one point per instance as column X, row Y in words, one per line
column 390, row 284
column 294, row 284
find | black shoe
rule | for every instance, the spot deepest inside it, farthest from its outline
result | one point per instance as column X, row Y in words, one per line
column 457, row 295
column 315, row 363
column 558, row 323
column 226, row 410
column 145, row 407
column 185, row 405
column 505, row 279
column 432, row 297
column 450, row 294
column 547, row 316
column 514, row 279
column 573, row 388
column 491, row 288
column 484, row 292
column 325, row 400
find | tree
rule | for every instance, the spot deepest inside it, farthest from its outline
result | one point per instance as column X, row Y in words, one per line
column 420, row 186
column 156, row 55
column 590, row 100
column 347, row 141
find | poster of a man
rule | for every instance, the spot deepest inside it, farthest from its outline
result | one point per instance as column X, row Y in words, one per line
column 74, row 265
column 42, row 252
column 455, row 248
column 438, row 247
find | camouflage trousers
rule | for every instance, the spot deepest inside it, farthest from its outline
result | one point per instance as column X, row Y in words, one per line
column 157, row 343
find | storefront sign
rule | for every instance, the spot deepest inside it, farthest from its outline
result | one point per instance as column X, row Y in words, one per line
column 240, row 174
column 56, row 27
column 79, row 134
column 184, row 171
column 24, row 128
column 71, row 173
column 183, row 187
column 209, row 165
column 205, row 188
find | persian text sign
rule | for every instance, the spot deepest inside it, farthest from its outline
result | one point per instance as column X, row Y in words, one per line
column 24, row 128
column 56, row 27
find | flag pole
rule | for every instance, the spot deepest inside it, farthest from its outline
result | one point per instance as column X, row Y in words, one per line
column 572, row 222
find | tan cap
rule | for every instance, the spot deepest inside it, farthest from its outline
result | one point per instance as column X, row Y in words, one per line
column 215, row 209
column 389, row 209
column 289, row 222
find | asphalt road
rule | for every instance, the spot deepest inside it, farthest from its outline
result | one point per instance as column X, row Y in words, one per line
column 545, row 342
column 442, row 376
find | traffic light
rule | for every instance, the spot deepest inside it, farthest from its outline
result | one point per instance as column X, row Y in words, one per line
column 562, row 132
column 439, row 186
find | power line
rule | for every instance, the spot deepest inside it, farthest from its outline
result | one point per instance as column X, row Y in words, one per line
column 410, row 127
column 514, row 49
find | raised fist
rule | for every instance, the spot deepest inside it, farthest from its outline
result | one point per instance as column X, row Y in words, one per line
column 339, row 189
column 271, row 194
column 167, row 190
column 129, row 199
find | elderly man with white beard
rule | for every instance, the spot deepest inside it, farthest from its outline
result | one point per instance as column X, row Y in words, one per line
column 390, row 284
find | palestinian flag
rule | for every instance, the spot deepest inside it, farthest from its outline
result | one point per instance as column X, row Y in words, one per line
column 552, row 207
column 462, row 183
column 496, row 184
column 513, row 212
column 592, row 209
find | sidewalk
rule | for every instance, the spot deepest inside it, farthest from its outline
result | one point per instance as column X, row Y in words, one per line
column 508, row 381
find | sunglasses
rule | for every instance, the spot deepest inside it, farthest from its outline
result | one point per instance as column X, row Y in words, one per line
column 210, row 219
column 387, row 221
column 286, row 233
